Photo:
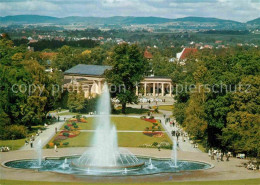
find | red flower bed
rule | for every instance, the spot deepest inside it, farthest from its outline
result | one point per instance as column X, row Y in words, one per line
column 150, row 133
column 151, row 120
column 60, row 138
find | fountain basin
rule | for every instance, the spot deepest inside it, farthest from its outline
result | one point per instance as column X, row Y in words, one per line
column 144, row 168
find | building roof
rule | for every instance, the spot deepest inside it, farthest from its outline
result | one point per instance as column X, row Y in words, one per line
column 83, row 69
column 148, row 55
column 186, row 52
column 162, row 77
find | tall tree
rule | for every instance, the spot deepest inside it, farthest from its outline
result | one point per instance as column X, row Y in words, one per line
column 129, row 67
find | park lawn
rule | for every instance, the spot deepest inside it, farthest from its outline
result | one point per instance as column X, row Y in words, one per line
column 232, row 182
column 55, row 111
column 18, row 143
column 68, row 113
column 166, row 107
column 130, row 110
column 133, row 139
column 121, row 123
column 13, row 144
column 125, row 139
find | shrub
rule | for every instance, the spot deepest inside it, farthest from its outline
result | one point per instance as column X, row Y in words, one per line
column 67, row 127
column 78, row 117
column 143, row 117
column 74, row 123
column 47, row 146
column 76, row 126
column 56, row 143
column 156, row 110
column 154, row 144
column 151, row 117
column 15, row 132
column 66, row 143
column 66, row 134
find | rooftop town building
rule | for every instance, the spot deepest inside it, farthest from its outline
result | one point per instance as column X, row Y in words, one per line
column 90, row 79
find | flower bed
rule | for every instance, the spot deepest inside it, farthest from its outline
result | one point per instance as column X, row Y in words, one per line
column 154, row 134
column 151, row 120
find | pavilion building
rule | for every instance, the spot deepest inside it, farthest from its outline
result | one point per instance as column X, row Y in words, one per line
column 90, row 79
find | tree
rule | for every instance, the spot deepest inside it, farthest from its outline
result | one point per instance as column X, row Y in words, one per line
column 128, row 68
column 242, row 132
column 195, row 122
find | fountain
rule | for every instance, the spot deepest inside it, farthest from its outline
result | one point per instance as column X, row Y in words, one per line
column 150, row 164
column 174, row 154
column 104, row 152
column 65, row 164
column 104, row 157
column 38, row 149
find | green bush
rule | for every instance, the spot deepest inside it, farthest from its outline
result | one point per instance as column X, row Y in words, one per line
column 76, row 126
column 154, row 144
column 78, row 117
column 67, row 127
column 66, row 143
column 74, row 123
column 47, row 146
column 15, row 132
column 66, row 134
column 143, row 117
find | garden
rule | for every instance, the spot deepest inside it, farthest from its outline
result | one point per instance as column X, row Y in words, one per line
column 132, row 132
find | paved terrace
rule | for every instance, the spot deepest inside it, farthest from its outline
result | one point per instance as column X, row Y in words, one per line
column 222, row 170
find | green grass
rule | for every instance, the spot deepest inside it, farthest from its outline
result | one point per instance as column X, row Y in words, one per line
column 166, row 107
column 233, row 182
column 121, row 123
column 13, row 144
column 125, row 139
column 68, row 113
column 55, row 111
column 18, row 143
column 130, row 110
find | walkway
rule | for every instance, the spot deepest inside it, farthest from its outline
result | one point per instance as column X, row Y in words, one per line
column 232, row 170
column 183, row 146
column 46, row 135
column 119, row 131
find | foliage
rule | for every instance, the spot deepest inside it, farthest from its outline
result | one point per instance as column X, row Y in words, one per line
column 221, row 113
column 128, row 68
column 14, row 132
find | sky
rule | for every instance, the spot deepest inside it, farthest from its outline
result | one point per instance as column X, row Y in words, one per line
column 238, row 10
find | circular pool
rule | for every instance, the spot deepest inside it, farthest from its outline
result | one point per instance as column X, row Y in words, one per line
column 150, row 166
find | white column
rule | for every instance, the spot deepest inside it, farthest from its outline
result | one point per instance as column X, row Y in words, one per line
column 145, row 89
column 162, row 89
column 99, row 87
column 153, row 89
column 170, row 89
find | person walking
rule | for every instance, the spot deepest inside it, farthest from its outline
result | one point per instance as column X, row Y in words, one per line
column 55, row 148
column 212, row 154
column 159, row 147
column 228, row 156
column 218, row 156
column 31, row 143
column 209, row 153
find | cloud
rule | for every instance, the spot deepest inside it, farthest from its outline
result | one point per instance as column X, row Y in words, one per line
column 242, row 10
